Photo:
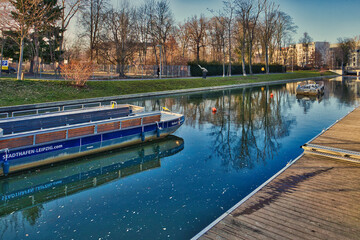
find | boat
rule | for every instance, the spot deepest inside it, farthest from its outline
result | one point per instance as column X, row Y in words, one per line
column 41, row 138
column 24, row 190
column 310, row 88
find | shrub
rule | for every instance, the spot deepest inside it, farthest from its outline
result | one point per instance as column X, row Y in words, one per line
column 216, row 69
column 78, row 72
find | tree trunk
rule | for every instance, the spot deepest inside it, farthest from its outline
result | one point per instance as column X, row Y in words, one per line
column 224, row 55
column 20, row 58
column 198, row 53
column 229, row 51
column 31, row 70
column 145, row 53
column 36, row 62
column 243, row 65
column 118, row 70
column 61, row 60
column 2, row 51
column 267, row 58
column 250, row 58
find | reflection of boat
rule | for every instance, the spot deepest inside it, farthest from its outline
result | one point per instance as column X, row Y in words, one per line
column 39, row 139
column 310, row 88
column 21, row 191
column 311, row 98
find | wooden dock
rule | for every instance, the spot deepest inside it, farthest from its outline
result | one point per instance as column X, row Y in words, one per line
column 317, row 197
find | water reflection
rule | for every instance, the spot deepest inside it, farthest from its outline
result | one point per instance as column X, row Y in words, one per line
column 29, row 191
column 248, row 126
column 250, row 121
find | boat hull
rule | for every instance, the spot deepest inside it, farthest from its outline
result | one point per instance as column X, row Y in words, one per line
column 311, row 89
column 43, row 154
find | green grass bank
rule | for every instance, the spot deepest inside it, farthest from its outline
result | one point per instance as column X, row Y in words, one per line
column 14, row 92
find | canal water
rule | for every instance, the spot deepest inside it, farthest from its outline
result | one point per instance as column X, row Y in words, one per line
column 173, row 188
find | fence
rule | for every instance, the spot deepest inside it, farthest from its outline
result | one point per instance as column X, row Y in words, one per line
column 142, row 71
column 49, row 71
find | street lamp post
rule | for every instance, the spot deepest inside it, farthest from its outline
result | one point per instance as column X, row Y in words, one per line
column 160, row 72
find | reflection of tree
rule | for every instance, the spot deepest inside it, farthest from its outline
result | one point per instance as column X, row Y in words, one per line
column 347, row 90
column 32, row 214
column 245, row 135
column 17, row 220
column 249, row 123
column 246, row 127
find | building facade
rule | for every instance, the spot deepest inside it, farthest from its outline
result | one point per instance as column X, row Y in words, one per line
column 314, row 54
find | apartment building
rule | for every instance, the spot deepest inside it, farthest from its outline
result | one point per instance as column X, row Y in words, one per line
column 354, row 61
column 315, row 54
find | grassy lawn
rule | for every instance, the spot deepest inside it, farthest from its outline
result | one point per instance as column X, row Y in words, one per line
column 13, row 92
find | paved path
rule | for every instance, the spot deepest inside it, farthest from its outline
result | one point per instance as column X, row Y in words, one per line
column 315, row 198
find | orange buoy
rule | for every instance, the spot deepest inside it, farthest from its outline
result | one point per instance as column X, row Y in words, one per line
column 271, row 95
column 214, row 110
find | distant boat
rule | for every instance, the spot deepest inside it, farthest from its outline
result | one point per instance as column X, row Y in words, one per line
column 39, row 139
column 310, row 88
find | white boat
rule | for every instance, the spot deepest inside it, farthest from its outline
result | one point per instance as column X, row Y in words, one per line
column 310, row 88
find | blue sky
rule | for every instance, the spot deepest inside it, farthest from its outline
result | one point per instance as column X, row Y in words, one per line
column 324, row 20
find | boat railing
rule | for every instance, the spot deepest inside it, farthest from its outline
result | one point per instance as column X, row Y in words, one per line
column 82, row 106
column 4, row 115
column 42, row 111
column 78, row 130
column 35, row 112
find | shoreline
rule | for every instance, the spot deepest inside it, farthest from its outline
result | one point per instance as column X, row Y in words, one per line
column 153, row 94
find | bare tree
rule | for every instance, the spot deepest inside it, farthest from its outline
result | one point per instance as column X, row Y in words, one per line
column 268, row 29
column 143, row 25
column 120, row 44
column 69, row 8
column 243, row 8
column 92, row 21
column 183, row 36
column 217, row 32
column 346, row 46
column 197, row 29
column 229, row 12
column 251, row 26
column 226, row 18
column 162, row 23
column 285, row 28
column 305, row 41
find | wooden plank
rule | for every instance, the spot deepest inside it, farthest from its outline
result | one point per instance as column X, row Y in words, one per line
column 51, row 136
column 108, row 127
column 76, row 132
column 131, row 123
column 17, row 142
column 151, row 119
column 344, row 134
